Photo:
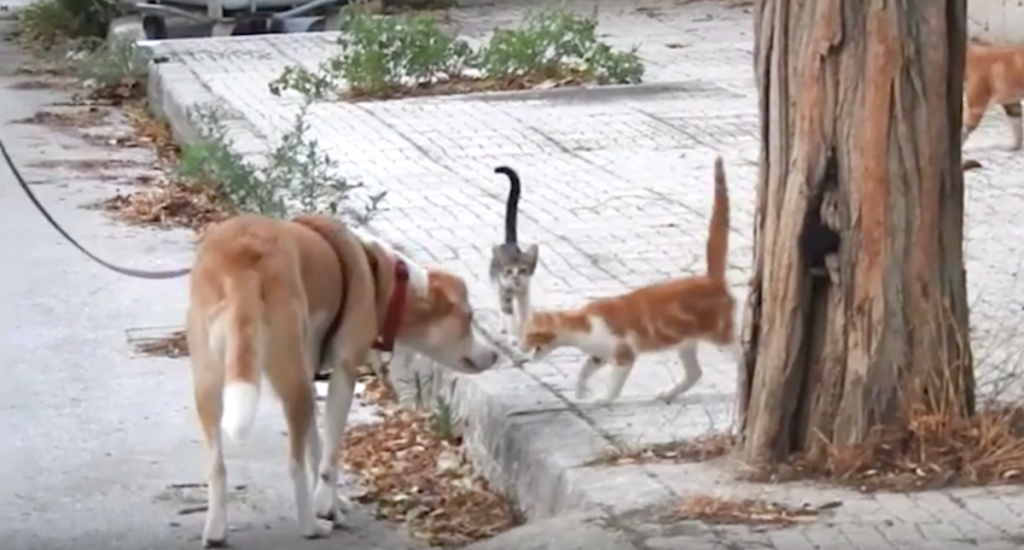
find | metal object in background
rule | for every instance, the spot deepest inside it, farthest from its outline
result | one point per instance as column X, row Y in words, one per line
column 163, row 19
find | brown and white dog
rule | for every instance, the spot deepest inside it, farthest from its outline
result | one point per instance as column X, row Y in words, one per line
column 280, row 300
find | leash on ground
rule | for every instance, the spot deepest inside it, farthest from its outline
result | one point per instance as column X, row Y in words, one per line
column 137, row 273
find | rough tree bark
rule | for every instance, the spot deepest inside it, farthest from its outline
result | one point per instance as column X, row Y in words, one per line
column 877, row 83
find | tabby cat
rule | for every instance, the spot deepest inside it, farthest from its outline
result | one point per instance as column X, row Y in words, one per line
column 512, row 268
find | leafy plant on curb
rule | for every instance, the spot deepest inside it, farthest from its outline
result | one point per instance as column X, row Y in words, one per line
column 383, row 56
column 115, row 69
column 556, row 44
column 46, row 23
column 295, row 177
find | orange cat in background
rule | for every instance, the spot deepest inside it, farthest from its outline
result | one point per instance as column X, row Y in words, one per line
column 993, row 74
column 673, row 314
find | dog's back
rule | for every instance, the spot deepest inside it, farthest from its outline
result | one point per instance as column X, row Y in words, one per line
column 242, row 266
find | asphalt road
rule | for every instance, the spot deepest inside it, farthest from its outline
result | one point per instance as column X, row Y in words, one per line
column 100, row 445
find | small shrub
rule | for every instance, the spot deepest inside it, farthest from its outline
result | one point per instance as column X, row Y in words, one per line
column 311, row 85
column 115, row 69
column 296, row 177
column 46, row 23
column 213, row 163
column 555, row 44
column 383, row 56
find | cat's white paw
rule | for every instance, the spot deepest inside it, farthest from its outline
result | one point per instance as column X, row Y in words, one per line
column 605, row 400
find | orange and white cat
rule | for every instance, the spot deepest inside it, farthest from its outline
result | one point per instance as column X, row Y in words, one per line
column 674, row 314
column 993, row 74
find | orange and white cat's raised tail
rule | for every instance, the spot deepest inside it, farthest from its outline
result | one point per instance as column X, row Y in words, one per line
column 674, row 314
column 718, row 229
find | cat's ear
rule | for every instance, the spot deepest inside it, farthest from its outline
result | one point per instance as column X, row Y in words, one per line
column 530, row 257
column 499, row 253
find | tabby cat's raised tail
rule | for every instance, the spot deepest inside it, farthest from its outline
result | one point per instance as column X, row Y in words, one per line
column 511, row 206
column 718, row 230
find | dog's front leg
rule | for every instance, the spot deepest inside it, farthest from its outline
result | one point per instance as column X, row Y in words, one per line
column 340, row 393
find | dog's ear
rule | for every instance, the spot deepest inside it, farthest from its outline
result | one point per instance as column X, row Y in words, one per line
column 438, row 302
column 445, row 294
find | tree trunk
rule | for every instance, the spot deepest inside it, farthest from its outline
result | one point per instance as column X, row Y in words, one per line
column 884, row 331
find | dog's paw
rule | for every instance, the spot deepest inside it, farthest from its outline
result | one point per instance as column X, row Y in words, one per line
column 604, row 400
column 318, row 529
column 215, row 533
column 327, row 505
column 215, row 543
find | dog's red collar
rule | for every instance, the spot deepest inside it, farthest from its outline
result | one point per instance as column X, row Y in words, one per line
column 396, row 305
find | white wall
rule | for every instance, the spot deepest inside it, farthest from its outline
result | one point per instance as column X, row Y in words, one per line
column 996, row 20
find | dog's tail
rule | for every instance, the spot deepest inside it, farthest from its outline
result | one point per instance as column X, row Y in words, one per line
column 718, row 230
column 238, row 334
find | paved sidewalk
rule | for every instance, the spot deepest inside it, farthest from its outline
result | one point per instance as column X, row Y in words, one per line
column 617, row 190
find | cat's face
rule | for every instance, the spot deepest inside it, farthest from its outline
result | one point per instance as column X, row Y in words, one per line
column 515, row 270
column 539, row 336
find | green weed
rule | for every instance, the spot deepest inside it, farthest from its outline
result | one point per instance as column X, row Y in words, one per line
column 556, row 44
column 46, row 23
column 295, row 177
column 383, row 56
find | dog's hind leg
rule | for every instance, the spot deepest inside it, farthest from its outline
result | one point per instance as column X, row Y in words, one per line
column 216, row 528
column 340, row 393
column 207, row 376
column 289, row 370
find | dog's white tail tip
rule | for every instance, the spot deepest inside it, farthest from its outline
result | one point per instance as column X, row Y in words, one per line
column 241, row 399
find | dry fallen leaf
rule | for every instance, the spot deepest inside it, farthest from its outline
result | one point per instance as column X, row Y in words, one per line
column 416, row 478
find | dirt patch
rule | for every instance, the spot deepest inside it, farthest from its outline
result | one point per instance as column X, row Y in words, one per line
column 89, row 165
column 151, row 133
column 933, row 451
column 173, row 345
column 42, row 84
column 43, row 69
column 128, row 89
column 85, row 117
column 166, row 201
column 468, row 85
column 416, row 477
column 700, row 449
column 166, row 205
column 725, row 3
column 715, row 510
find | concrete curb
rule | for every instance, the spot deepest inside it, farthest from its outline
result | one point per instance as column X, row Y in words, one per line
column 539, row 448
